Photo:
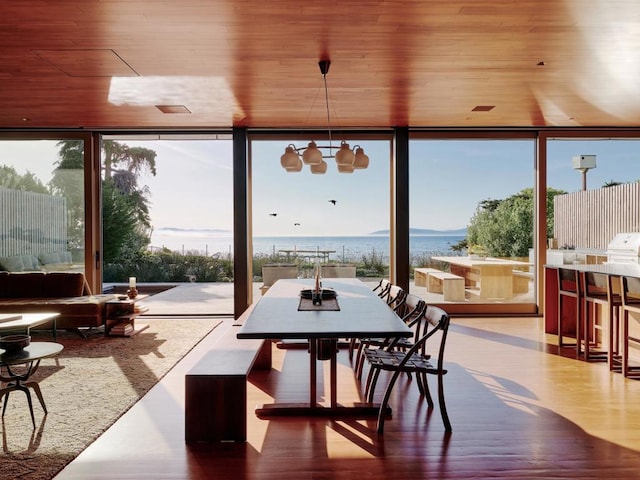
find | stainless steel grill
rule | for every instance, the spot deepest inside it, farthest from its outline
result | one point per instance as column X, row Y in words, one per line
column 624, row 248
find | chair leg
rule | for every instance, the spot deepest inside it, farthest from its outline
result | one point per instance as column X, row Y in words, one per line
column 443, row 407
column 371, row 389
column 385, row 401
column 352, row 347
column 625, row 344
column 614, row 338
column 367, row 386
column 360, row 361
column 427, row 392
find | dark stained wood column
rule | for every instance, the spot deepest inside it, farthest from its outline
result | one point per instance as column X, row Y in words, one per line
column 242, row 279
column 400, row 205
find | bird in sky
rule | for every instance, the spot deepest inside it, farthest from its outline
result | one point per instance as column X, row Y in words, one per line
column 333, row 201
column 273, row 214
column 296, row 224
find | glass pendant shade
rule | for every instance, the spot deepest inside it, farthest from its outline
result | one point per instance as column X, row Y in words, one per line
column 290, row 159
column 297, row 167
column 344, row 156
column 345, row 168
column 361, row 160
column 312, row 155
column 319, row 168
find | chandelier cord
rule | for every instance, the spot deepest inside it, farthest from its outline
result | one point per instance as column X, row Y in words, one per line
column 326, row 96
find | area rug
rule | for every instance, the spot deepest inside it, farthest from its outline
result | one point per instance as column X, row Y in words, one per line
column 86, row 389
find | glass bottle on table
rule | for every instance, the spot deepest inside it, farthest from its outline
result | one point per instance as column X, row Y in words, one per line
column 317, row 291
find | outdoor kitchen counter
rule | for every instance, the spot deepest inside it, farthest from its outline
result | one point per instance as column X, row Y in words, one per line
column 551, row 289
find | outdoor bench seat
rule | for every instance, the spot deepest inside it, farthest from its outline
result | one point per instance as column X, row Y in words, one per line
column 216, row 388
column 420, row 275
column 450, row 285
column 521, row 281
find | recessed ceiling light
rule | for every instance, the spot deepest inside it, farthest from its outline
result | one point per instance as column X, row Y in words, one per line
column 173, row 109
column 483, row 108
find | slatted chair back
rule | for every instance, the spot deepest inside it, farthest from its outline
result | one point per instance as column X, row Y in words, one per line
column 382, row 288
column 396, row 298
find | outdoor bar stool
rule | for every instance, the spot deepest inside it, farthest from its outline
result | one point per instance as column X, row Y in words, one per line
column 569, row 287
column 599, row 293
column 630, row 308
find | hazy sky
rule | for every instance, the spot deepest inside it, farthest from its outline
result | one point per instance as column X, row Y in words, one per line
column 193, row 186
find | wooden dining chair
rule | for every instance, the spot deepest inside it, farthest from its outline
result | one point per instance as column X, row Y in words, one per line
column 630, row 310
column 414, row 308
column 396, row 298
column 382, row 286
column 434, row 326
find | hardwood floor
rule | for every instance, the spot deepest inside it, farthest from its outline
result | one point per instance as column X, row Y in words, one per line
column 518, row 408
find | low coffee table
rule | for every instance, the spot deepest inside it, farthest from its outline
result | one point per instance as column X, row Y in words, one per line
column 27, row 321
column 30, row 357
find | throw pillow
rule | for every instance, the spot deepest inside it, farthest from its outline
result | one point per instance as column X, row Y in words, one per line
column 30, row 262
column 12, row 264
column 49, row 258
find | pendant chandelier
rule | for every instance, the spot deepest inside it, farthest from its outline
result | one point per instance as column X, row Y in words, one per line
column 347, row 159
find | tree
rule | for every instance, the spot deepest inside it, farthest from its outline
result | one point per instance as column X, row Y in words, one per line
column 68, row 181
column 505, row 227
column 126, row 220
column 11, row 179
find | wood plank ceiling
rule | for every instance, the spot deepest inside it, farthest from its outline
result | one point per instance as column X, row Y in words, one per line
column 216, row 64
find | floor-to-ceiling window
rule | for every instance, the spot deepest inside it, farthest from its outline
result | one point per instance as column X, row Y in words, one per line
column 167, row 214
column 472, row 217
column 42, row 204
column 338, row 220
column 595, row 186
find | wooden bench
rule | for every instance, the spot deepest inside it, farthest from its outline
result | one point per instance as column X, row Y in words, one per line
column 450, row 285
column 521, row 281
column 216, row 388
column 420, row 275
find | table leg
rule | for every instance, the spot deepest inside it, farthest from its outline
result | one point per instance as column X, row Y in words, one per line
column 17, row 386
column 313, row 372
column 334, row 373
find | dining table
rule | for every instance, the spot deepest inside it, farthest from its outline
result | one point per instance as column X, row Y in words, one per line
column 492, row 278
column 355, row 312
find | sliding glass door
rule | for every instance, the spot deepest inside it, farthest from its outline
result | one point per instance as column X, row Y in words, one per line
column 167, row 219
column 42, row 204
column 472, row 221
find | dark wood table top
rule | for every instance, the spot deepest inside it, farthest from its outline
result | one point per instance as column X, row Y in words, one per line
column 32, row 352
column 362, row 313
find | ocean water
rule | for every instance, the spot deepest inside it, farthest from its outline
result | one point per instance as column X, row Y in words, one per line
column 341, row 248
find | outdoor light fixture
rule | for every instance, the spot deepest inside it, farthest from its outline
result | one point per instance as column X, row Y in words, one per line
column 347, row 159
column 584, row 163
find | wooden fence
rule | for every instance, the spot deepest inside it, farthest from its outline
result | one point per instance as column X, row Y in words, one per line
column 31, row 223
column 591, row 218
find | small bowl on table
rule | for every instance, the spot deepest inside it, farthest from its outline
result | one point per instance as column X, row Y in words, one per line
column 14, row 343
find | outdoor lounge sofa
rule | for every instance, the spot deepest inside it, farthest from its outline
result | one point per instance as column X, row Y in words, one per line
column 66, row 293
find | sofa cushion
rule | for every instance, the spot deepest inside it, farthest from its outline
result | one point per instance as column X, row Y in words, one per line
column 13, row 263
column 30, row 262
column 25, row 284
column 51, row 257
column 63, row 284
